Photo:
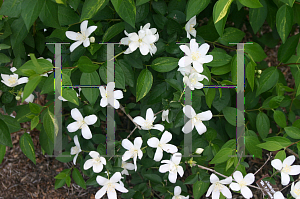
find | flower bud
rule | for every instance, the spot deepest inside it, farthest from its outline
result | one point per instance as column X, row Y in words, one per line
column 191, row 162
column 18, row 97
column 199, row 151
column 258, row 76
column 92, row 39
column 259, row 71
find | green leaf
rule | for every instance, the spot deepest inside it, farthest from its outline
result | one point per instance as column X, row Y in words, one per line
column 251, row 4
column 2, row 152
column 4, row 58
column 275, row 101
column 119, row 75
column 210, row 96
column 64, row 157
column 222, row 8
column 280, row 155
column 153, row 177
column 70, row 95
column 287, row 49
column 30, row 11
column 5, row 138
column 231, row 114
column 200, row 188
column 91, row 94
column 19, row 32
column 194, row 7
column 288, row 2
column 77, row 177
column 262, row 124
column 293, row 132
column 66, row 15
column 175, row 84
column 4, row 46
column 127, row 72
column 210, row 134
column 126, row 10
column 270, row 146
column 257, row 16
column 250, row 143
column 281, row 140
column 59, row 183
column 11, row 8
column 50, row 125
column 164, row 64
column 231, row 35
column 34, row 108
column 223, row 155
column 27, row 146
column 49, row 14
column 45, row 142
column 268, row 79
column 140, row 2
column 34, row 122
column 144, row 84
column 219, row 59
column 255, row 51
column 250, row 72
column 11, row 123
column 279, row 118
column 91, row 7
column 31, row 85
column 221, row 70
column 179, row 120
column 48, row 85
column 113, row 31
column 85, row 65
column 284, row 21
column 159, row 7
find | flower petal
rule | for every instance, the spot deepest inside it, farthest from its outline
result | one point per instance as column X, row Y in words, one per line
column 238, row 176
column 188, row 127
column 144, row 48
column 88, row 164
column 185, row 61
column 200, row 127
column 22, row 80
column 166, row 137
column 133, row 45
column 103, row 102
column 193, row 45
column 120, row 188
column 205, row 116
column 285, row 178
column 176, row 157
column 90, row 30
column 149, row 114
column 83, row 26
column 203, row 49
column 158, row 154
column 213, row 178
column 139, row 120
column 116, row 177
column 118, row 94
column 127, row 155
column 127, row 144
column 102, row 91
column 198, row 66
column 295, row 170
column 159, row 127
column 210, row 189
column 97, row 168
column 112, row 194
column 74, row 126
column 75, row 158
column 101, row 180
column 249, row 178
column 86, row 132
column 94, row 154
column 170, row 148
column 172, row 177
column 235, row 186
column 289, row 160
column 116, row 104
column 227, row 180
column 277, row 164
column 76, row 142
column 101, row 192
column 75, row 45
column 189, row 111
column 177, row 190
column 76, row 115
column 164, row 168
column 246, row 192
column 91, row 119
column 180, row 171
column 138, row 142
column 153, row 142
column 86, row 42
column 226, row 192
column 72, row 35
column 185, row 49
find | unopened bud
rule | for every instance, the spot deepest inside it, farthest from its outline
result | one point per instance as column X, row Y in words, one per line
column 258, row 76
column 92, row 39
column 199, row 151
column 191, row 162
column 18, row 97
column 259, row 71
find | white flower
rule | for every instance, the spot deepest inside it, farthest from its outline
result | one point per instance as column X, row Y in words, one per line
column 148, row 123
column 13, row 80
column 242, row 183
column 82, row 123
column 107, row 95
column 82, row 37
column 110, row 186
column 195, row 120
column 142, row 40
column 164, row 116
column 46, row 74
column 199, row 151
column 127, row 166
column 193, row 80
column 172, row 166
column 162, row 145
column 187, row 70
column 195, row 55
column 189, row 27
column 218, row 186
column 295, row 190
column 30, row 98
column 134, row 151
column 177, row 191
column 278, row 195
column 286, row 169
column 75, row 150
column 96, row 162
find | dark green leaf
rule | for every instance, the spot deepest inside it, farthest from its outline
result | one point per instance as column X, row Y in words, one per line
column 284, row 21
column 113, row 31
column 160, row 7
column 287, row 49
column 200, row 188
column 250, row 72
column 19, row 32
column 153, row 177
column 251, row 4
column 250, row 143
column 231, row 114
column 11, row 8
column 219, row 59
column 86, row 66
column 77, row 177
column 194, row 7
column 270, row 146
column 293, row 132
column 90, row 79
column 144, row 84
column 164, row 64
column 50, row 125
column 220, row 10
column 268, row 79
column 2, row 152
column 126, row 10
column 279, row 118
column 231, row 35
column 49, row 14
column 26, row 145
column 5, row 138
column 223, row 155
column 30, row 11
column 31, row 85
column 257, row 16
column 91, row 7
column 262, row 124
column 255, row 51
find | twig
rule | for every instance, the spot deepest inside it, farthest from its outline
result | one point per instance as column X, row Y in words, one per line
column 289, row 184
column 292, row 152
column 263, row 164
column 122, row 109
column 238, row 162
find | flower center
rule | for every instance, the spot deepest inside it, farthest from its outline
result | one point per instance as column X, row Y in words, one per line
column 147, row 124
column 173, row 168
column 297, row 192
column 140, row 41
column 75, row 149
column 97, row 160
column 81, row 37
column 191, row 27
column 194, row 81
column 177, row 197
column 110, row 187
column 12, row 80
column 161, row 145
column 80, row 123
column 195, row 56
column 218, row 186
column 242, row 183
column 195, row 119
column 286, row 169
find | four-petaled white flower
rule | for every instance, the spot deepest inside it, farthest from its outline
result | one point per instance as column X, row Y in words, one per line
column 295, row 190
column 148, row 123
column 75, row 150
column 161, row 145
column 82, row 123
column 13, row 80
column 177, row 191
column 30, row 98
column 195, row 120
column 278, row 195
column 218, row 186
column 82, row 37
column 96, row 162
column 144, row 40
column 193, row 81
column 109, row 96
column 134, row 151
column 165, row 115
column 172, row 166
column 189, row 27
column 110, row 186
column 286, row 169
column 187, row 70
column 195, row 55
column 127, row 166
column 242, row 183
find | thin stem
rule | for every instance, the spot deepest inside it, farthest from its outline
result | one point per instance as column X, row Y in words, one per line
column 238, row 162
column 269, row 156
column 122, row 109
column 181, row 95
column 288, row 64
column 289, row 184
column 46, row 107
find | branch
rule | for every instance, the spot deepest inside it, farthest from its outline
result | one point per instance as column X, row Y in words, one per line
column 263, row 164
column 122, row 109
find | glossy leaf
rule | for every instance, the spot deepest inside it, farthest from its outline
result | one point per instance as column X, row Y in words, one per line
column 144, row 84
column 26, row 145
